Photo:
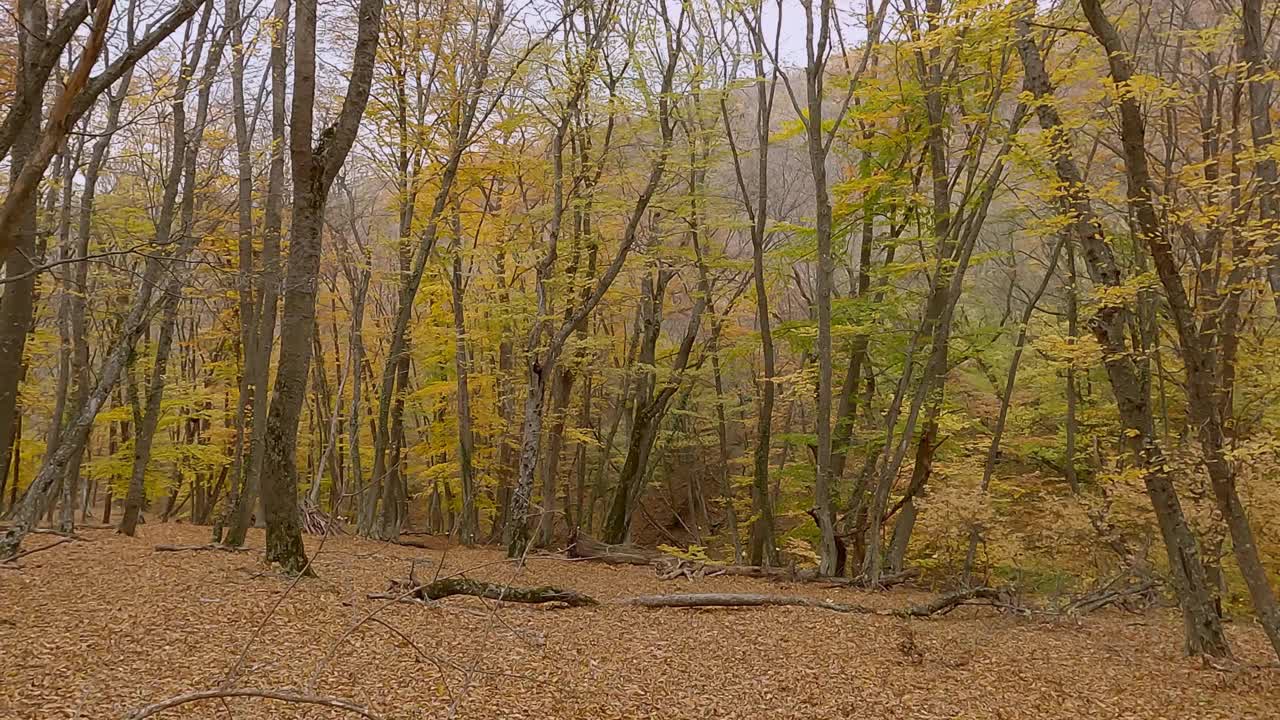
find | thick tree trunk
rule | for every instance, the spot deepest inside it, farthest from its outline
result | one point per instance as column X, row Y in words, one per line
column 17, row 304
column 516, row 532
column 314, row 170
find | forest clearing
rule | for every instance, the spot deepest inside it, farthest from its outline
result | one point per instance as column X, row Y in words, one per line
column 103, row 627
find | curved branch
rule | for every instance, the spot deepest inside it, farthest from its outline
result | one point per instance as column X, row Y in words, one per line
column 281, row 695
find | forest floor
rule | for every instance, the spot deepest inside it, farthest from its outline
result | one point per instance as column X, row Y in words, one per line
column 102, row 627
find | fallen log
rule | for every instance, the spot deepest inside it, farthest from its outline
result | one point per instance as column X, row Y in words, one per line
column 449, row 587
column 585, row 547
column 941, row 605
column 409, row 542
column 721, row 600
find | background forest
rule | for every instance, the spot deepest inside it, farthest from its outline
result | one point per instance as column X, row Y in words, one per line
column 982, row 290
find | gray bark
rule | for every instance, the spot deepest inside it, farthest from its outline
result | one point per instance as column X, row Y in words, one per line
column 1201, row 625
column 314, row 170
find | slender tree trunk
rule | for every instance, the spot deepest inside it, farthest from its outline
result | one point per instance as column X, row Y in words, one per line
column 66, row 516
column 1006, row 394
column 936, row 323
column 247, row 300
column 1253, row 51
column 470, row 521
column 360, row 291
column 187, row 148
column 585, row 423
column 516, row 534
column 267, row 294
column 1199, row 348
column 1073, row 332
column 1201, row 625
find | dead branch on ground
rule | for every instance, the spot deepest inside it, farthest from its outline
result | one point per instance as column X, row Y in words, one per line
column 214, row 547
column 288, row 696
column 1128, row 591
column 420, row 544
column 13, row 561
column 668, row 567
column 316, row 521
column 941, row 605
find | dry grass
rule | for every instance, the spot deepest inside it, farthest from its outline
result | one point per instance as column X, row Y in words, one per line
column 96, row 629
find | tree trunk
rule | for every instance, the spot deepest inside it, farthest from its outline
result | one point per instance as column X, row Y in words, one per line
column 1201, row 625
column 470, row 523
column 314, row 170
column 1259, row 82
column 66, row 517
column 1199, row 348
column 267, row 293
column 1073, row 333
column 17, row 303
column 186, row 148
column 247, row 301
column 517, row 534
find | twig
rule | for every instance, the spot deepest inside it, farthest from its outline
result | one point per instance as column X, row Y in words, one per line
column 234, row 670
column 440, row 664
column 282, row 695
